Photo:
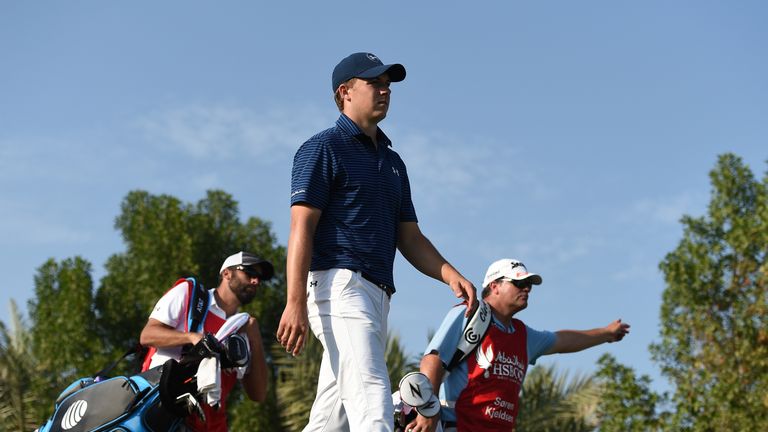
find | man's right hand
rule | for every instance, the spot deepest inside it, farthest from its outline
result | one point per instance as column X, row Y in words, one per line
column 423, row 424
column 293, row 328
column 294, row 324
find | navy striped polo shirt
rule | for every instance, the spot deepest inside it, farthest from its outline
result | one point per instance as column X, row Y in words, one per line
column 363, row 192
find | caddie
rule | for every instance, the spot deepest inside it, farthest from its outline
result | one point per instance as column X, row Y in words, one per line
column 481, row 393
column 166, row 331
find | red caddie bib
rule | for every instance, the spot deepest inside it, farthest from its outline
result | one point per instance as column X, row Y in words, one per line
column 216, row 419
column 489, row 402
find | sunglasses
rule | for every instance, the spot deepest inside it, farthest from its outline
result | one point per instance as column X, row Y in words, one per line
column 520, row 284
column 249, row 271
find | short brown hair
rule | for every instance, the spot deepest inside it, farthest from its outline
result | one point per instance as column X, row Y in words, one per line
column 487, row 289
column 337, row 96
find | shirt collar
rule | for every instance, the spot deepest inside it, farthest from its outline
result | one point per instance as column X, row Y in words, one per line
column 500, row 325
column 347, row 125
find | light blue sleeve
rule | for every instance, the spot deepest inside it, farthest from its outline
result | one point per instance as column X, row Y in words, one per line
column 538, row 343
column 446, row 339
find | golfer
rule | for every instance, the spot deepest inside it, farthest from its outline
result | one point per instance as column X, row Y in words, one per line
column 350, row 210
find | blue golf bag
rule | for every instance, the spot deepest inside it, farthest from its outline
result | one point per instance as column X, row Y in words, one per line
column 156, row 400
column 114, row 404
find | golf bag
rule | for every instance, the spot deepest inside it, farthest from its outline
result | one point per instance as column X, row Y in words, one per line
column 155, row 400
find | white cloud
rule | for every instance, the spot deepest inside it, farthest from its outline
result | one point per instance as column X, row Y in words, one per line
column 554, row 251
column 226, row 132
column 23, row 160
column 667, row 209
column 442, row 166
column 647, row 271
column 205, row 181
column 17, row 228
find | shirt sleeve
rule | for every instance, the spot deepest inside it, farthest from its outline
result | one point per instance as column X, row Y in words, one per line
column 538, row 343
column 312, row 174
column 407, row 210
column 170, row 308
column 446, row 338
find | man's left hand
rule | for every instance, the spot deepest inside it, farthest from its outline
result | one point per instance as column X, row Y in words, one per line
column 617, row 330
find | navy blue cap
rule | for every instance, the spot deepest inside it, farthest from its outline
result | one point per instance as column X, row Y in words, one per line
column 364, row 65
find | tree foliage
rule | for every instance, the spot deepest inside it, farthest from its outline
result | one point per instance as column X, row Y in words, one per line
column 167, row 239
column 626, row 403
column 19, row 374
column 551, row 403
column 76, row 331
column 64, row 331
column 398, row 361
column 714, row 336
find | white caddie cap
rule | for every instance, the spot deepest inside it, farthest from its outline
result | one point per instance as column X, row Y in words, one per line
column 509, row 268
column 264, row 267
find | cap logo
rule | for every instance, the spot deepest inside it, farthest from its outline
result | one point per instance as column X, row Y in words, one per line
column 517, row 264
column 372, row 57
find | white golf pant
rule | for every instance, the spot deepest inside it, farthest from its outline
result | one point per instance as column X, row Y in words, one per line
column 348, row 314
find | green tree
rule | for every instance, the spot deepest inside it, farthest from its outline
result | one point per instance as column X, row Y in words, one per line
column 75, row 333
column 398, row 361
column 296, row 382
column 714, row 337
column 63, row 327
column 551, row 403
column 244, row 415
column 626, row 403
column 167, row 239
column 19, row 404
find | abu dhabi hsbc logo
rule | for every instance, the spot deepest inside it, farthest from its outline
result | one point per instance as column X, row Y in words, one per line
column 74, row 414
column 484, row 359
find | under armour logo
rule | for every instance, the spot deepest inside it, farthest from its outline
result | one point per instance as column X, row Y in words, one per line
column 372, row 57
column 313, row 283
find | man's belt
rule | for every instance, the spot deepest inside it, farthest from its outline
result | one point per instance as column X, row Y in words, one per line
column 388, row 289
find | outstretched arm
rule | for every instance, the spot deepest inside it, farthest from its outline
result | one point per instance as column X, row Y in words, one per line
column 423, row 255
column 294, row 324
column 568, row 341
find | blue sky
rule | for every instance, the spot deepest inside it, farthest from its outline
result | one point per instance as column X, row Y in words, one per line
column 570, row 135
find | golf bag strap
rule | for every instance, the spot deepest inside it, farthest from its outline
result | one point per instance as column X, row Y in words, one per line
column 472, row 335
column 197, row 305
column 105, row 372
column 195, row 311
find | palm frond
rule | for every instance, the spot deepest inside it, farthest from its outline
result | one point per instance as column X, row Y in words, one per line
column 550, row 401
